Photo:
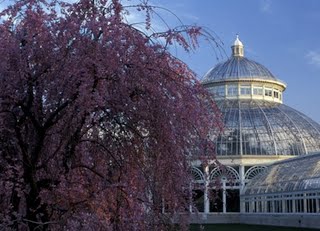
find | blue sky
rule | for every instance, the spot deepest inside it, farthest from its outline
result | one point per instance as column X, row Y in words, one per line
column 283, row 35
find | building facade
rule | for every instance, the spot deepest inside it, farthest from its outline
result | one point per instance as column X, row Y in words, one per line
column 259, row 130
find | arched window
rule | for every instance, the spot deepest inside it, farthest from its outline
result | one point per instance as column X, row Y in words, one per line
column 225, row 173
column 197, row 174
column 254, row 171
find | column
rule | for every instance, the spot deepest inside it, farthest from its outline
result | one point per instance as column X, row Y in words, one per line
column 284, row 206
column 190, row 197
column 224, row 196
column 242, row 184
column 305, row 207
column 272, row 205
column 206, row 190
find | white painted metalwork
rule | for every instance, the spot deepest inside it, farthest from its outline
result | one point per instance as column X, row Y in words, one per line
column 254, row 171
column 256, row 122
column 225, row 172
column 206, row 190
column 290, row 186
column 259, row 130
column 197, row 174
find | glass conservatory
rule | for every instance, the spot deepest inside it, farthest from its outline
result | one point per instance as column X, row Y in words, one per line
column 258, row 130
column 290, row 186
column 257, row 127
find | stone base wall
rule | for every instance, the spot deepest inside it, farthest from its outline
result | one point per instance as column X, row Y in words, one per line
column 216, row 218
column 289, row 220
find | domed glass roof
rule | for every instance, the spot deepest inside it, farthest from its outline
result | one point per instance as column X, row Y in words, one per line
column 258, row 127
column 256, row 122
column 238, row 67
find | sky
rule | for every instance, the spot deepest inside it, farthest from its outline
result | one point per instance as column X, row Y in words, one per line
column 282, row 35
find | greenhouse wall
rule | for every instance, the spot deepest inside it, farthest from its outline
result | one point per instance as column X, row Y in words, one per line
column 289, row 220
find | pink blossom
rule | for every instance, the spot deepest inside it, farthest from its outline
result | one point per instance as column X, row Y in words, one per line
column 98, row 124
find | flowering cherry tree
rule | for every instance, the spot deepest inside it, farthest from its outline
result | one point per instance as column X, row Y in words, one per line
column 98, row 121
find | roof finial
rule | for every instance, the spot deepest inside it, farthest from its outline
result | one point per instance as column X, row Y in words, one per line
column 237, row 48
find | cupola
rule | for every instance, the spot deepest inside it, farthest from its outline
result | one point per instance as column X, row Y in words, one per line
column 237, row 48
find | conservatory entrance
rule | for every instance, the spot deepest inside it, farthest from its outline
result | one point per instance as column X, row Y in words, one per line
column 217, row 188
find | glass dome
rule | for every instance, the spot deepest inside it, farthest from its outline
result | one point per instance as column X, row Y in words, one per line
column 297, row 174
column 238, row 67
column 258, row 127
column 256, row 122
